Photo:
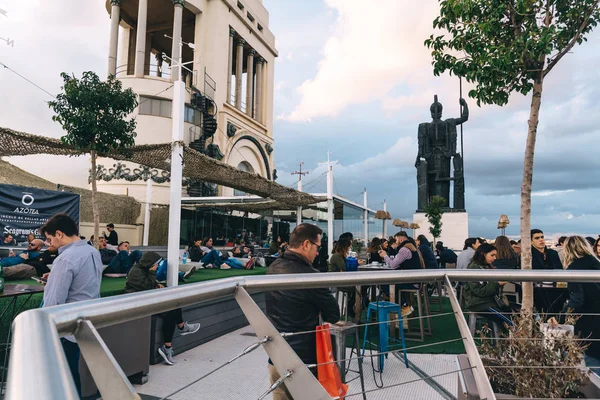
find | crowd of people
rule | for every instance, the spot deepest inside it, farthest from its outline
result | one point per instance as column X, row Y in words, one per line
column 77, row 270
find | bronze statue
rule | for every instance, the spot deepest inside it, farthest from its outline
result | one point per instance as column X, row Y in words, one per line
column 437, row 148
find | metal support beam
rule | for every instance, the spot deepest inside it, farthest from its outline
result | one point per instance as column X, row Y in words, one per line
column 302, row 385
column 481, row 379
column 107, row 373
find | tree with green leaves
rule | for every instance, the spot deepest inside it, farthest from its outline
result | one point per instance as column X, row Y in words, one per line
column 434, row 211
column 507, row 46
column 94, row 115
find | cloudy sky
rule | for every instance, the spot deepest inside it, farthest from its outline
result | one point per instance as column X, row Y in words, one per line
column 356, row 81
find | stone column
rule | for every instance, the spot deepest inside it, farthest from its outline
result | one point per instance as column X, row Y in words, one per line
column 239, row 70
column 250, row 83
column 230, row 65
column 140, row 44
column 259, row 91
column 115, row 17
column 123, row 52
column 175, row 48
column 131, row 52
column 148, row 54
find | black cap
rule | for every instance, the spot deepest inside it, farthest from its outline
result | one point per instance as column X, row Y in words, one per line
column 110, row 225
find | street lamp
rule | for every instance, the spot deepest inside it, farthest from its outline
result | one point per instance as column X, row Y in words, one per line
column 414, row 226
column 503, row 223
column 383, row 215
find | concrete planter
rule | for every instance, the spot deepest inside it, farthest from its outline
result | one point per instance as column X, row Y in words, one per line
column 467, row 389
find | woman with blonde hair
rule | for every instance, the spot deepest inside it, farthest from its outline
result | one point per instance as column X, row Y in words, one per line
column 584, row 298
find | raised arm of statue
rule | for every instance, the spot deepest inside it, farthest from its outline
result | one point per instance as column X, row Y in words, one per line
column 465, row 113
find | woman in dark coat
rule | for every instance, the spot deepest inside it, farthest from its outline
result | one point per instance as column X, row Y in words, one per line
column 427, row 252
column 480, row 296
column 584, row 298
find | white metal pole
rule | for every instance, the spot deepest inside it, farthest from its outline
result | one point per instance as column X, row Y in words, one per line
column 147, row 213
column 385, row 220
column 299, row 210
column 329, row 207
column 176, row 177
column 365, row 219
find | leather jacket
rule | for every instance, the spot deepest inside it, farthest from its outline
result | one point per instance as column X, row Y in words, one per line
column 298, row 310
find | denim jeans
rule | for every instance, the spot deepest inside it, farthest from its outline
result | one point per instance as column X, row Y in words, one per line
column 234, row 263
column 212, row 257
column 123, row 262
column 593, row 364
column 73, row 353
column 161, row 272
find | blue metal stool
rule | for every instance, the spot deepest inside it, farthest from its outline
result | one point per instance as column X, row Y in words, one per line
column 383, row 309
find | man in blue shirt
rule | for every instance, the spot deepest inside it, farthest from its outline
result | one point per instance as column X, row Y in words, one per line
column 76, row 275
column 33, row 251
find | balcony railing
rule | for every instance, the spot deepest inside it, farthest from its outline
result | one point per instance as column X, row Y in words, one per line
column 36, row 349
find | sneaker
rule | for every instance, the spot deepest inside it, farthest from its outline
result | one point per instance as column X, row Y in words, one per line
column 209, row 266
column 188, row 329
column 225, row 266
column 250, row 264
column 407, row 310
column 189, row 273
column 166, row 354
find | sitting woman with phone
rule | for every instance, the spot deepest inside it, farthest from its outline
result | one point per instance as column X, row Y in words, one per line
column 486, row 297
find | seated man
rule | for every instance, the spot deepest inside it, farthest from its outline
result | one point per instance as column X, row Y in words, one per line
column 46, row 258
column 14, row 266
column 9, row 240
column 118, row 262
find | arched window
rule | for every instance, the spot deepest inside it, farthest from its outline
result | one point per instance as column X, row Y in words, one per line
column 246, row 167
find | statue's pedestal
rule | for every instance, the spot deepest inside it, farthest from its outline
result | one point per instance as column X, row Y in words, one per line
column 455, row 228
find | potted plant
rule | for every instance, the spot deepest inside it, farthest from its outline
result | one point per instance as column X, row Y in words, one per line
column 536, row 363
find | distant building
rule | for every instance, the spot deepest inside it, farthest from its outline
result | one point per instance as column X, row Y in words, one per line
column 231, row 82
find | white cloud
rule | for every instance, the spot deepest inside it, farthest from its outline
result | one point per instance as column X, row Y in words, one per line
column 546, row 193
column 370, row 50
column 73, row 38
column 279, row 85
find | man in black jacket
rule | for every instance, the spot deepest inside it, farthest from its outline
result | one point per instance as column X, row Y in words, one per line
column 541, row 256
column 113, row 237
column 298, row 310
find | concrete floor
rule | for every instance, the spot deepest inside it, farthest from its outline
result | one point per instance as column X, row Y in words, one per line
column 247, row 378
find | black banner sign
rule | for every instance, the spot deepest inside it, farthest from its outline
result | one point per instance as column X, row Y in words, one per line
column 23, row 210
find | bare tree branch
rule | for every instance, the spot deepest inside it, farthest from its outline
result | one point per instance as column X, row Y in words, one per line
column 573, row 41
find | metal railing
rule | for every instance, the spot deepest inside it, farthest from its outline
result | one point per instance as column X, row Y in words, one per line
column 36, row 348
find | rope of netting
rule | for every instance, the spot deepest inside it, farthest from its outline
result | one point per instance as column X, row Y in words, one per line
column 195, row 165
